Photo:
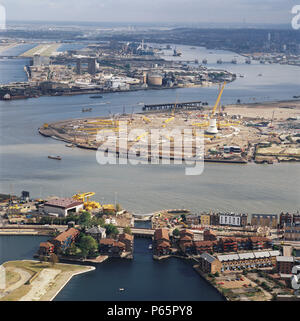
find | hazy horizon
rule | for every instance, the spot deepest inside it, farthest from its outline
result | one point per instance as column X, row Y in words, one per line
column 241, row 12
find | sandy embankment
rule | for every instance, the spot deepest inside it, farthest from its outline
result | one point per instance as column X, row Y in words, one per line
column 40, row 284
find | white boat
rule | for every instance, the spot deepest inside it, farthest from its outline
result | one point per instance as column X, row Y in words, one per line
column 150, row 247
column 121, row 289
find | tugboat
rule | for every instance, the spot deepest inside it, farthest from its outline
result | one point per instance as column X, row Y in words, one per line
column 54, row 157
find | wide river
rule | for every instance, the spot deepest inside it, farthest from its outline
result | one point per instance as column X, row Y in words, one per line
column 143, row 189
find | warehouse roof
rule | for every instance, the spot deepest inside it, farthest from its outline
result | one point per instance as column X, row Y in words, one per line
column 63, row 203
column 284, row 258
column 207, row 257
column 228, row 257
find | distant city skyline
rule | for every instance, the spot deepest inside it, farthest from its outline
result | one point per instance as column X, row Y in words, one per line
column 247, row 12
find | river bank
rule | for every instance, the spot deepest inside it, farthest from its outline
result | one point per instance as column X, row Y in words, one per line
column 30, row 280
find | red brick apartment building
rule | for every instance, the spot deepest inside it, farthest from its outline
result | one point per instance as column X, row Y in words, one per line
column 161, row 240
column 65, row 239
column 59, row 243
column 186, row 243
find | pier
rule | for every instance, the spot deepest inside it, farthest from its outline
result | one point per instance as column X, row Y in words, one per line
column 198, row 105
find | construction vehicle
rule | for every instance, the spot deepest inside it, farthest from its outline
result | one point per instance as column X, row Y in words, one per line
column 146, row 120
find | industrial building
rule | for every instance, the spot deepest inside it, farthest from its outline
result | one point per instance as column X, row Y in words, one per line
column 62, row 207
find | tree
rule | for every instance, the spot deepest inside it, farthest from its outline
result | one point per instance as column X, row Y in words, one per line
column 118, row 207
column 217, row 274
column 183, row 216
column 95, row 221
column 88, row 244
column 72, row 250
column 53, row 259
column 111, row 229
column 127, row 230
column 85, row 219
column 176, row 232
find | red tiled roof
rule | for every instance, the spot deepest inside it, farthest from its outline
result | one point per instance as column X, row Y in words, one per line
column 204, row 243
column 161, row 234
column 73, row 232
column 46, row 245
column 107, row 241
column 186, row 232
column 119, row 244
column 126, row 236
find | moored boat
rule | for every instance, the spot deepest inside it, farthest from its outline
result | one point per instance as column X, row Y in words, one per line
column 54, row 157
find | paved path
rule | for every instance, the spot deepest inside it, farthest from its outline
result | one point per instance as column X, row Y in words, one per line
column 25, row 276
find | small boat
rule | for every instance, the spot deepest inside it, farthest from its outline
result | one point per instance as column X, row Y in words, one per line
column 54, row 157
column 121, row 289
column 150, row 247
column 96, row 96
column 86, row 109
column 69, row 145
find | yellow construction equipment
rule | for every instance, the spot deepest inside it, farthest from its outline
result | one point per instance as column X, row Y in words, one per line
column 82, row 196
column 201, row 124
column 169, row 120
column 141, row 136
column 46, row 125
column 218, row 100
column 146, row 120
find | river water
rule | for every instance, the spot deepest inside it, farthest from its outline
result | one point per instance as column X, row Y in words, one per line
column 145, row 188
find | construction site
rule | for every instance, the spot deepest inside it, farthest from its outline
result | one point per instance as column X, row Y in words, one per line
column 264, row 133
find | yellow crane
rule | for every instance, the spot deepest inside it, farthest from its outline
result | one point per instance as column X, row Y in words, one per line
column 83, row 196
column 141, row 136
column 218, row 100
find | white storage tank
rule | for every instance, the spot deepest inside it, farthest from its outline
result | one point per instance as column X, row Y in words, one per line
column 212, row 129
